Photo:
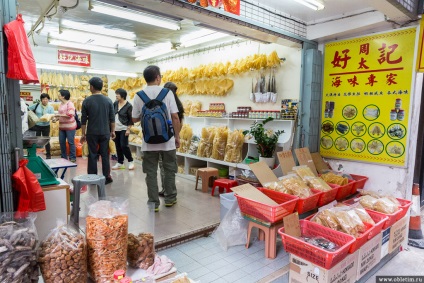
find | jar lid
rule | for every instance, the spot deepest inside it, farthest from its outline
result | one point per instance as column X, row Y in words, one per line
column 119, row 274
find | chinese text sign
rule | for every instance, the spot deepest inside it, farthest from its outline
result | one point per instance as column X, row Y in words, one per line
column 73, row 58
column 366, row 98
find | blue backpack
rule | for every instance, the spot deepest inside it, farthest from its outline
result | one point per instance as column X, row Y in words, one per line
column 155, row 122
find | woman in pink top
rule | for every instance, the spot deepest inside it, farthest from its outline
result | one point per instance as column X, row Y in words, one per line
column 67, row 125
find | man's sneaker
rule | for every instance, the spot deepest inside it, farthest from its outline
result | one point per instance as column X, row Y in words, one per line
column 156, row 209
column 170, row 204
column 118, row 166
column 130, row 165
column 109, row 180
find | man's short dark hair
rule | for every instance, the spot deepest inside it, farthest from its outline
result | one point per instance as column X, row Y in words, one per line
column 151, row 73
column 122, row 92
column 96, row 83
column 44, row 95
column 65, row 93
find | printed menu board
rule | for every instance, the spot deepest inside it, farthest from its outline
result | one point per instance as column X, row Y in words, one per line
column 366, row 98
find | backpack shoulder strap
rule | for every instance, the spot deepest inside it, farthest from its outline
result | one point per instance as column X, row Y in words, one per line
column 162, row 94
column 35, row 109
column 143, row 96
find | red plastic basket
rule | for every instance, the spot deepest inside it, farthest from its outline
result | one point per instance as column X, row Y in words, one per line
column 329, row 196
column 404, row 205
column 314, row 254
column 371, row 231
column 265, row 212
column 309, row 203
column 391, row 218
column 359, row 182
column 345, row 190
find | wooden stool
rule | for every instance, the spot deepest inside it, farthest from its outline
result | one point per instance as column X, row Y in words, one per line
column 267, row 233
column 226, row 184
column 205, row 174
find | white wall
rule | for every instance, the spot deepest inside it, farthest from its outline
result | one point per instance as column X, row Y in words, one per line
column 287, row 76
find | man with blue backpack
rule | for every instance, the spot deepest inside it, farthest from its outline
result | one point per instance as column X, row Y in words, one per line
column 156, row 109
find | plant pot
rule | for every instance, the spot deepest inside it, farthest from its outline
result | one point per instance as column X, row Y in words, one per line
column 270, row 161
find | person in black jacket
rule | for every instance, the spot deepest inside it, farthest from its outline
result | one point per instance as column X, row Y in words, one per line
column 123, row 124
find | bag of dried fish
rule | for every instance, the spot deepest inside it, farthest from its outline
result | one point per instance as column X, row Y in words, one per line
column 303, row 171
column 322, row 243
column 363, row 214
column 296, row 186
column 349, row 221
column 385, row 205
column 327, row 218
column 368, row 202
column 141, row 250
column 318, row 184
column 107, row 238
column 18, row 248
column 63, row 255
column 332, row 178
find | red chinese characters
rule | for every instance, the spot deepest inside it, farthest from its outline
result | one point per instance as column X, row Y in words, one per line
column 353, row 81
column 391, row 79
column 339, row 59
column 336, row 82
column 73, row 58
column 371, row 80
column 385, row 57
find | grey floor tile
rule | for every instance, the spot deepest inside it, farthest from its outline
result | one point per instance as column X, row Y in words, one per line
column 246, row 279
column 199, row 272
column 221, row 272
column 235, row 257
column 210, row 260
column 235, row 275
column 252, row 267
column 190, row 267
column 211, row 277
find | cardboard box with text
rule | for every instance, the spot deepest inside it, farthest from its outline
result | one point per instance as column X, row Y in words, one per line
column 369, row 255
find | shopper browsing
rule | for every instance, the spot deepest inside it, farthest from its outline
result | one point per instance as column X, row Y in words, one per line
column 67, row 125
column 43, row 128
column 172, row 87
column 123, row 123
column 98, row 126
column 156, row 101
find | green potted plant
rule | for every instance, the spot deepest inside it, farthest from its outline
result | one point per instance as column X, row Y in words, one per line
column 266, row 140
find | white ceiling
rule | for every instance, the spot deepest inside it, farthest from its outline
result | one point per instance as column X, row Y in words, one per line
column 148, row 35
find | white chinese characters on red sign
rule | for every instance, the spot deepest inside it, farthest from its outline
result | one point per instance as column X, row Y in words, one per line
column 74, row 58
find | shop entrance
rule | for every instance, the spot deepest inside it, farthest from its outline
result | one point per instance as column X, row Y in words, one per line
column 419, row 161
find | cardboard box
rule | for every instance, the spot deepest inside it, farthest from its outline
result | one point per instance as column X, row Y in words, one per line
column 250, row 192
column 302, row 271
column 263, row 172
column 394, row 236
column 369, row 255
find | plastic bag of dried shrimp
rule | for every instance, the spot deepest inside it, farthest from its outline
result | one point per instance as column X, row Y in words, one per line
column 107, row 238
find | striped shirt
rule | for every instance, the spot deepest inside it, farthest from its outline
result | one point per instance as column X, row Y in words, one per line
column 67, row 123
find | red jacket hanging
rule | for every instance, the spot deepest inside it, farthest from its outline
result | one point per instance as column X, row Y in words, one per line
column 21, row 63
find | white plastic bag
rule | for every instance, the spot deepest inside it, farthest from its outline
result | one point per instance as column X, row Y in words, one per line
column 233, row 229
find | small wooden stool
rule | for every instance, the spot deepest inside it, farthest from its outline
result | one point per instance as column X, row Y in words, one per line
column 226, row 184
column 267, row 233
column 205, row 174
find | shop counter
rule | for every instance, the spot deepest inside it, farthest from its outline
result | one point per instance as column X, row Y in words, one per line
column 57, row 208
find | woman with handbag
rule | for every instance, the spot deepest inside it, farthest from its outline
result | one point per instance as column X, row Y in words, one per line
column 42, row 128
column 67, row 125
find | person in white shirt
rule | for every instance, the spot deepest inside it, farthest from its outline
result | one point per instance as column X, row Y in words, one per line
column 24, row 116
column 166, row 150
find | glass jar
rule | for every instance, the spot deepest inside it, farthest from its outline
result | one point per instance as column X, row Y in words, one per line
column 393, row 115
column 401, row 115
column 398, row 103
column 118, row 275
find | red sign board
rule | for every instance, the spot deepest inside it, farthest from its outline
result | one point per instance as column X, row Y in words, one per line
column 73, row 58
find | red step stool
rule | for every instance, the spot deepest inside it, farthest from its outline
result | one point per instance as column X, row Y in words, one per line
column 226, row 184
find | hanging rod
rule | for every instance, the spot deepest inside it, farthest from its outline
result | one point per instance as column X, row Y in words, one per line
column 196, row 51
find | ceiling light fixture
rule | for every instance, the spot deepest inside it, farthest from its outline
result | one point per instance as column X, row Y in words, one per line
column 111, row 73
column 132, row 15
column 212, row 36
column 59, row 68
column 99, row 29
column 154, row 51
column 313, row 4
column 81, row 46
column 98, row 39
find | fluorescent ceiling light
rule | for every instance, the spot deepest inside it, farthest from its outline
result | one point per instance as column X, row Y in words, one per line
column 93, row 38
column 98, row 29
column 59, row 68
column 82, row 46
column 131, row 15
column 111, row 73
column 313, row 4
column 154, row 51
column 203, row 38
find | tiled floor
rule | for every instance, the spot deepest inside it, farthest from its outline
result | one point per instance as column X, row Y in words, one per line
column 203, row 259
